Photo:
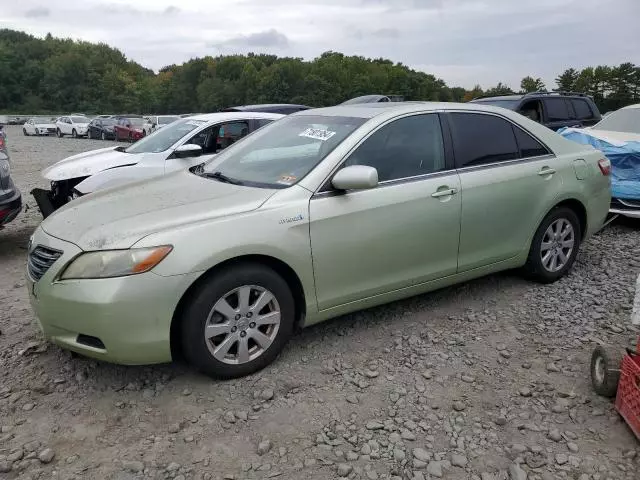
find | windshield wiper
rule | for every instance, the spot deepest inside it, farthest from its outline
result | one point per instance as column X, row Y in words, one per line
column 222, row 178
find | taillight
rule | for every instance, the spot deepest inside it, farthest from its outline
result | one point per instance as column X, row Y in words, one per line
column 605, row 166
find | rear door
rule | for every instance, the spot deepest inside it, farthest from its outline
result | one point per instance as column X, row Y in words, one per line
column 508, row 181
column 584, row 114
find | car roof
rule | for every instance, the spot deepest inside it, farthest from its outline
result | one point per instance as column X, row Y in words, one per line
column 631, row 107
column 224, row 116
column 264, row 106
column 499, row 97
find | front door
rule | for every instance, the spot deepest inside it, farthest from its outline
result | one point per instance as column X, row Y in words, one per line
column 509, row 180
column 402, row 233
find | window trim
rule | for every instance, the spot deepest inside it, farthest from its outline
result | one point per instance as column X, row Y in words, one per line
column 325, row 188
column 521, row 159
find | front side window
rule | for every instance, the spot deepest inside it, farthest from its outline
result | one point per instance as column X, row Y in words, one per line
column 407, row 147
column 164, row 138
column 282, row 153
column 480, row 139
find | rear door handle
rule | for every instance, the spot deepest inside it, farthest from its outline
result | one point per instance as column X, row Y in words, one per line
column 444, row 193
column 546, row 171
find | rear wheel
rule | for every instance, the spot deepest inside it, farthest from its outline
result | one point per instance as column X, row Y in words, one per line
column 555, row 246
column 237, row 321
column 605, row 371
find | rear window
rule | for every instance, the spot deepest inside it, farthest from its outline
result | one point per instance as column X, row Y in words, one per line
column 556, row 109
column 582, row 109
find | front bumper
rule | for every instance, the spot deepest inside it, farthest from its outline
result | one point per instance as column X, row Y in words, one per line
column 10, row 207
column 124, row 320
column 625, row 207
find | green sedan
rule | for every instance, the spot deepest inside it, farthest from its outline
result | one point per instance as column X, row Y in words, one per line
column 319, row 214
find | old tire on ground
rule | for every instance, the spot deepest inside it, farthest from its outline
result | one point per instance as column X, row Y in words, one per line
column 605, row 370
column 237, row 321
column 555, row 246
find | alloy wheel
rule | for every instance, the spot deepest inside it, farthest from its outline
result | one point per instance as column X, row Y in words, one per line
column 558, row 243
column 242, row 324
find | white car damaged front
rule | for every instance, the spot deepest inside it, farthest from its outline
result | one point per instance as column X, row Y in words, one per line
column 180, row 145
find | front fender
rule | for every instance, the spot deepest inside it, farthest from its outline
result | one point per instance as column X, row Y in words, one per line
column 116, row 177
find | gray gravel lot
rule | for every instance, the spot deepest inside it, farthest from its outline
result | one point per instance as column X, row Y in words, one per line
column 485, row 381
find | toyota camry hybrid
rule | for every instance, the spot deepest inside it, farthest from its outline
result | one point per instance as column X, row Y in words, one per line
column 318, row 214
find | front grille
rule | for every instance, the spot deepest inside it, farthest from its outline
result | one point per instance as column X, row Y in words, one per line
column 40, row 260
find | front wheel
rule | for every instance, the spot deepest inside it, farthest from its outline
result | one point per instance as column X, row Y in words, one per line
column 555, row 246
column 237, row 321
column 103, row 136
column 605, row 371
column 24, row 131
column 74, row 134
column 59, row 133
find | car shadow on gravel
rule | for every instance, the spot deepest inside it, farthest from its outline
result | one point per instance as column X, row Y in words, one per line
column 14, row 240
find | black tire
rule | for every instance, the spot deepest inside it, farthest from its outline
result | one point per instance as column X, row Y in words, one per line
column 103, row 136
column 24, row 131
column 59, row 133
column 608, row 360
column 534, row 267
column 74, row 134
column 130, row 139
column 201, row 302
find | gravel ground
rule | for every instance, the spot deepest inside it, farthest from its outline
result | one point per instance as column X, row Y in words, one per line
column 488, row 380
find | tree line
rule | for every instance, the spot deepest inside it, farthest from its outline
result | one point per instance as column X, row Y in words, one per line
column 53, row 75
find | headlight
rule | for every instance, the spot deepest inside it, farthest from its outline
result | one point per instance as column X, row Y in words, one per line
column 115, row 263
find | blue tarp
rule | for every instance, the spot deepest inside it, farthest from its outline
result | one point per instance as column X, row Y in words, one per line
column 624, row 158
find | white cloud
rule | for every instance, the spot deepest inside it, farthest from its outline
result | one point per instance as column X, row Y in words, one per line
column 462, row 41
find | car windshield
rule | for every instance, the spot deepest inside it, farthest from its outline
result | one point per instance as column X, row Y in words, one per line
column 162, row 139
column 80, row 120
column 107, row 121
column 166, row 120
column 624, row 120
column 136, row 122
column 509, row 104
column 282, row 153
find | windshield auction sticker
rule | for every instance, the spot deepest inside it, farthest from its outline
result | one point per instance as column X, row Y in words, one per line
column 317, row 134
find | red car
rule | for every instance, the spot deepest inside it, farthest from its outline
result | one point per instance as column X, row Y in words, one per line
column 129, row 128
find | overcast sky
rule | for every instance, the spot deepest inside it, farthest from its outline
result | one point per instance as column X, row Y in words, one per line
column 464, row 42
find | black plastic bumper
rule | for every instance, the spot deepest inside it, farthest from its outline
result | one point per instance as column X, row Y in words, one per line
column 43, row 199
column 10, row 208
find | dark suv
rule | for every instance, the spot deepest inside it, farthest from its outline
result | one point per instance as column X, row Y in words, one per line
column 10, row 198
column 552, row 109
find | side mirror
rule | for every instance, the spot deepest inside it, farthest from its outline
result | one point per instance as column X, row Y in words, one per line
column 187, row 150
column 355, row 177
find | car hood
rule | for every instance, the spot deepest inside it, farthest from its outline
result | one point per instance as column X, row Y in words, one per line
column 44, row 125
column 89, row 163
column 614, row 138
column 81, row 125
column 120, row 217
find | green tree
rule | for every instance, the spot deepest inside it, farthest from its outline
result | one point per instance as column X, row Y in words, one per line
column 566, row 81
column 530, row 84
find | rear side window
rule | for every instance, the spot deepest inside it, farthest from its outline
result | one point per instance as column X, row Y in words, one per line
column 480, row 139
column 582, row 109
column 529, row 146
column 557, row 109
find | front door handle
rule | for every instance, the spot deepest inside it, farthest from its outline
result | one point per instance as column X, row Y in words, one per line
column 444, row 193
column 546, row 171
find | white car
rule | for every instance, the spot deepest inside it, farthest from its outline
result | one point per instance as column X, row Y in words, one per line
column 38, row 126
column 180, row 145
column 156, row 122
column 74, row 125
